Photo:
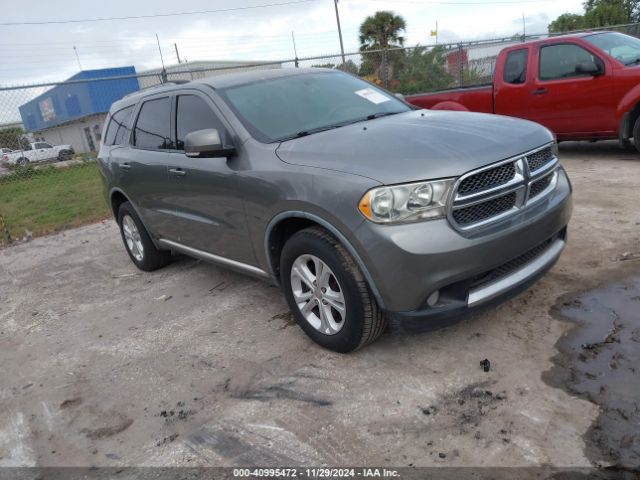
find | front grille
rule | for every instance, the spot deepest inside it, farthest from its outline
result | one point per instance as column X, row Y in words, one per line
column 501, row 188
column 540, row 186
column 481, row 211
column 511, row 266
column 539, row 159
column 487, row 179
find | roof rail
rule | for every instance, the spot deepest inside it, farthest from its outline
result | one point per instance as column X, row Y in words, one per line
column 153, row 87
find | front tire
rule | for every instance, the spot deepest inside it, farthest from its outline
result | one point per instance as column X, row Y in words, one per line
column 138, row 243
column 327, row 292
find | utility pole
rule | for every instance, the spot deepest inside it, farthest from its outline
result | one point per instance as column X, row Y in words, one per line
column 295, row 50
column 77, row 57
column 524, row 28
column 177, row 54
column 335, row 2
column 163, row 74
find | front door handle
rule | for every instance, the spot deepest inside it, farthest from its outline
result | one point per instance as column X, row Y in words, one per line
column 540, row 91
column 125, row 166
column 177, row 171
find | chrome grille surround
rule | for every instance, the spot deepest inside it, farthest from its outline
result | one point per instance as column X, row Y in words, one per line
column 470, row 209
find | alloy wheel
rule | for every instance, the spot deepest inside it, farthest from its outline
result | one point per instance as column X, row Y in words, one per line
column 318, row 294
column 132, row 238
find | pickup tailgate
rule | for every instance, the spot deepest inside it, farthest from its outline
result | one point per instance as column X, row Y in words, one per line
column 473, row 99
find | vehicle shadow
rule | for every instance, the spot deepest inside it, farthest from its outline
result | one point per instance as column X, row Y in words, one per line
column 609, row 149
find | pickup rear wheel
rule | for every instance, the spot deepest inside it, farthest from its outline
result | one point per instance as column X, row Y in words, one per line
column 140, row 247
column 636, row 134
column 327, row 293
column 64, row 155
column 22, row 161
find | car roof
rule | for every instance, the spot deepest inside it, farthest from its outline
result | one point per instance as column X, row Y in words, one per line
column 556, row 38
column 219, row 81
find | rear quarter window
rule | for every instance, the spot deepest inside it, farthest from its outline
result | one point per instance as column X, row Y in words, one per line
column 117, row 130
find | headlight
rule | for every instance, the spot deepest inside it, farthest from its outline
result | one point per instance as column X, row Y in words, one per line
column 406, row 203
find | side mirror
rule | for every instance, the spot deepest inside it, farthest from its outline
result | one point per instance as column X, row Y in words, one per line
column 399, row 96
column 206, row 144
column 590, row 68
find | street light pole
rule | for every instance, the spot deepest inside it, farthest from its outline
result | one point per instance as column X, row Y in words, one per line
column 335, row 2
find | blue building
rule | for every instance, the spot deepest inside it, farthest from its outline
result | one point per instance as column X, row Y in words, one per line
column 73, row 112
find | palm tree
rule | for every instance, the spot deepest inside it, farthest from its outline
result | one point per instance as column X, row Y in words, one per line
column 382, row 30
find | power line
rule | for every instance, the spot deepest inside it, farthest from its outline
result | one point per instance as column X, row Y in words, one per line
column 157, row 15
column 438, row 2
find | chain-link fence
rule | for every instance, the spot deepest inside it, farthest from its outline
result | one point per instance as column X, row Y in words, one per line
column 50, row 132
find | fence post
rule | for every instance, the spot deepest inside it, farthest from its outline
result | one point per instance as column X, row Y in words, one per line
column 385, row 68
column 296, row 61
column 460, row 65
column 5, row 230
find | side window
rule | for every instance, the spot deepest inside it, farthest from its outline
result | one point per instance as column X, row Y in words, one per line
column 560, row 61
column 194, row 114
column 46, row 145
column 153, row 128
column 515, row 67
column 42, row 145
column 118, row 129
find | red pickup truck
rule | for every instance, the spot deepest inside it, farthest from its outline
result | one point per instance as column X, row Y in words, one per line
column 581, row 87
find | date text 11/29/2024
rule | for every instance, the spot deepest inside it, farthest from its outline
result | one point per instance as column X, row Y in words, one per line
column 315, row 473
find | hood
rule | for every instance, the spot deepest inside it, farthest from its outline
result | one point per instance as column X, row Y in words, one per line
column 416, row 145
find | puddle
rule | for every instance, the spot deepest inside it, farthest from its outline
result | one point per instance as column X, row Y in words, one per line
column 600, row 360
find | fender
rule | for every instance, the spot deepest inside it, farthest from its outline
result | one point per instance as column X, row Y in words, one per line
column 117, row 190
column 335, row 232
column 628, row 103
column 133, row 205
column 450, row 105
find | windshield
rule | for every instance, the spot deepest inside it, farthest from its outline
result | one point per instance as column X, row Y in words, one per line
column 297, row 105
column 619, row 46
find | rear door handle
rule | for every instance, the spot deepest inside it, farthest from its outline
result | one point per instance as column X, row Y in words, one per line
column 125, row 166
column 540, row 91
column 177, row 171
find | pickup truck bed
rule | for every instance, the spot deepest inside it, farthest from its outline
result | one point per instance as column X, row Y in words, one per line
column 476, row 99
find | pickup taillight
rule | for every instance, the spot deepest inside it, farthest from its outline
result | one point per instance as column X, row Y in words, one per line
column 5, row 157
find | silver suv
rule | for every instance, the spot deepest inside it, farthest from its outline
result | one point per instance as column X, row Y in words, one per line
column 363, row 209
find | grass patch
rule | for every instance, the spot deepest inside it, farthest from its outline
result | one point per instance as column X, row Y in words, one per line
column 51, row 199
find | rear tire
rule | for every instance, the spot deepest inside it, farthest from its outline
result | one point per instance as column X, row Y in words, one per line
column 138, row 243
column 636, row 134
column 361, row 321
column 22, row 162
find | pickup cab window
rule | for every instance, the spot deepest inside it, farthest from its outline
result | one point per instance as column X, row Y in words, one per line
column 561, row 61
column 515, row 67
column 42, row 145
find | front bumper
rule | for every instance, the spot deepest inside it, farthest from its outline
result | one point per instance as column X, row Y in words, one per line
column 408, row 263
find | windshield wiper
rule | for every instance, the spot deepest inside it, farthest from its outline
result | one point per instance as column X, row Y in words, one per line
column 311, row 131
column 373, row 116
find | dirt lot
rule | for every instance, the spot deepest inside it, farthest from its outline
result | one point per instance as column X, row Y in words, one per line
column 194, row 365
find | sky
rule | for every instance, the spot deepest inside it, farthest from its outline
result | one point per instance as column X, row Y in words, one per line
column 39, row 53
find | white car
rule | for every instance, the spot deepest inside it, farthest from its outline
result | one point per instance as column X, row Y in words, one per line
column 38, row 152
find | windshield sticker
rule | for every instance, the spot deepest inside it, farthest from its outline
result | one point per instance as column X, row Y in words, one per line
column 371, row 95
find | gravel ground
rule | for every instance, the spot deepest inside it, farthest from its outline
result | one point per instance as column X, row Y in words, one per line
column 103, row 365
